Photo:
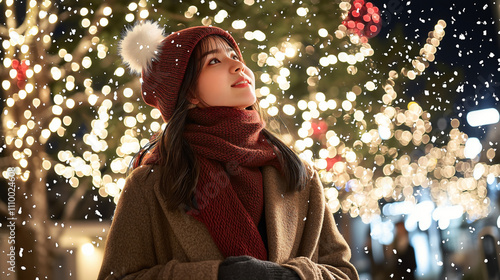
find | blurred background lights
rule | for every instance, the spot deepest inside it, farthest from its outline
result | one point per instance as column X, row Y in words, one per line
column 323, row 32
column 483, row 117
column 302, row 11
column 424, row 211
column 398, row 208
column 384, row 132
column 472, row 147
column 239, row 24
column 447, row 213
column 382, row 231
column 88, row 249
column 220, row 16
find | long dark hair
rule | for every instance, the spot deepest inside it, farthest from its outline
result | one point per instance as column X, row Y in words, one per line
column 179, row 168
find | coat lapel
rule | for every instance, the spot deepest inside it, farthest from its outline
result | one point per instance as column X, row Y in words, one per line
column 190, row 232
column 281, row 216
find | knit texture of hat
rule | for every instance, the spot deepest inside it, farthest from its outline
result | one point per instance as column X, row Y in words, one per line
column 163, row 70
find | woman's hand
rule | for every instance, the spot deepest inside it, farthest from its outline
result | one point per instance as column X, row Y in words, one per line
column 249, row 268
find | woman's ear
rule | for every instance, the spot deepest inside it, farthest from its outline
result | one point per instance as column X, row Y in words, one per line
column 191, row 98
column 193, row 101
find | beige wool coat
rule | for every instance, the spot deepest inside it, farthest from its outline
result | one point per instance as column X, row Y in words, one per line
column 147, row 241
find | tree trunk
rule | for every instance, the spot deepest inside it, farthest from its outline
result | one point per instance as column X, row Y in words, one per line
column 32, row 228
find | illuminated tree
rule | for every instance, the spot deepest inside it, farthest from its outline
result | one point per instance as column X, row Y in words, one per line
column 45, row 106
column 72, row 110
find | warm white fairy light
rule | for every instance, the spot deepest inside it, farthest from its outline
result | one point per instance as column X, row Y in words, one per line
column 239, row 24
column 119, row 71
column 259, row 35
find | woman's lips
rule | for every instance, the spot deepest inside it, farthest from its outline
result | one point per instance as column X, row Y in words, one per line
column 242, row 82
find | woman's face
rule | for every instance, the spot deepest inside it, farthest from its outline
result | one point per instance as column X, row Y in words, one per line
column 224, row 79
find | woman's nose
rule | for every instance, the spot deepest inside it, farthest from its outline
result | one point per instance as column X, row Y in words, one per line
column 237, row 66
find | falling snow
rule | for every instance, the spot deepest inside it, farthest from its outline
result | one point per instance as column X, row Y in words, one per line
column 420, row 100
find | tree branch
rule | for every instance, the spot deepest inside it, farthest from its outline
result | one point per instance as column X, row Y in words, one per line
column 84, row 44
column 71, row 205
column 75, row 198
column 5, row 162
column 4, row 32
column 81, row 99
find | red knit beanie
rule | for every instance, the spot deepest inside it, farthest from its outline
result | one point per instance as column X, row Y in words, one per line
column 163, row 60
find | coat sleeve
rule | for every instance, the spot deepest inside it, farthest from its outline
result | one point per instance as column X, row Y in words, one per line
column 326, row 254
column 130, row 248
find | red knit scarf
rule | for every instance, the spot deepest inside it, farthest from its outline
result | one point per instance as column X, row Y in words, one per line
column 230, row 148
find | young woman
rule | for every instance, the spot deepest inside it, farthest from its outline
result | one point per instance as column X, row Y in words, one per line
column 215, row 195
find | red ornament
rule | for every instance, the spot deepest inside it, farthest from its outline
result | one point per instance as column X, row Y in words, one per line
column 319, row 128
column 21, row 68
column 363, row 19
column 331, row 161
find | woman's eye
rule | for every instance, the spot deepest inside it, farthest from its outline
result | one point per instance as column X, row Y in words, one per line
column 235, row 57
column 213, row 61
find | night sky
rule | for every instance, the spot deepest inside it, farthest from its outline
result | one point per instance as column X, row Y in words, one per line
column 471, row 45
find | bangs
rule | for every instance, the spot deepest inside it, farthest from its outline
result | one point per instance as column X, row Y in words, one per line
column 210, row 43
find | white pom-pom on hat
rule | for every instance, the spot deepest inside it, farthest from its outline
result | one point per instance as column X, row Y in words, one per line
column 140, row 45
